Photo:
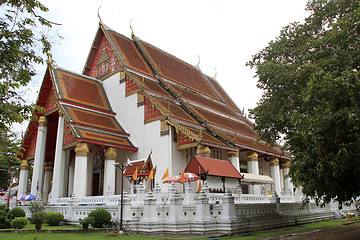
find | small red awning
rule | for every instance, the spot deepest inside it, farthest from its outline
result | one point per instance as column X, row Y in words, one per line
column 212, row 167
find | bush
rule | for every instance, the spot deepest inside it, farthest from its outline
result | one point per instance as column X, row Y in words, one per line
column 16, row 212
column 4, row 219
column 19, row 222
column 101, row 218
column 86, row 222
column 54, row 218
column 38, row 218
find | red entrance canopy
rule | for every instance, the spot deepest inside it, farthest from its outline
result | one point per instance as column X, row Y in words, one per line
column 212, row 167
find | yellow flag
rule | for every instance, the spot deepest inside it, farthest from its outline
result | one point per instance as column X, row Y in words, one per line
column 166, row 174
column 182, row 177
column 151, row 174
column 135, row 175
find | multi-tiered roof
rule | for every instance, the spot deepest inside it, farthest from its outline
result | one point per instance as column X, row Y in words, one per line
column 173, row 91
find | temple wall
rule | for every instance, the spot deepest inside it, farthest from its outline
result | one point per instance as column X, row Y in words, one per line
column 146, row 137
column 192, row 213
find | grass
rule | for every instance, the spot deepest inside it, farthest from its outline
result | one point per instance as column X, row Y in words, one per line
column 299, row 229
column 102, row 235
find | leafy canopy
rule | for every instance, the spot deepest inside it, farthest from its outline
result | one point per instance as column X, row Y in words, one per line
column 311, row 82
column 23, row 43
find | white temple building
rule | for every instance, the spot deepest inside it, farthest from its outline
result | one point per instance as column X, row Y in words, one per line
column 134, row 101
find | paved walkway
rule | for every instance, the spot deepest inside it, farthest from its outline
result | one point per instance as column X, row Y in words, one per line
column 347, row 232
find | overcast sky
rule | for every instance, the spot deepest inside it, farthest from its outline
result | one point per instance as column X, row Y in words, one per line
column 225, row 34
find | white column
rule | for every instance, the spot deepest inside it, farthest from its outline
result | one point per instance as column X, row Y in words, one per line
column 253, row 168
column 71, row 178
column 80, row 174
column 233, row 157
column 59, row 162
column 275, row 174
column 24, row 178
column 39, row 160
column 109, row 171
column 287, row 181
column 66, row 174
column 47, row 179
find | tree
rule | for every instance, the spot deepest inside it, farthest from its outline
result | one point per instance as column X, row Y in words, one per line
column 23, row 43
column 311, row 82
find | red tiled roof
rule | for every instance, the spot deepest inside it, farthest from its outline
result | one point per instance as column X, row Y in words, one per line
column 81, row 90
column 93, row 119
column 106, row 139
column 221, row 121
column 195, row 99
column 176, row 111
column 130, row 53
column 179, row 71
column 212, row 167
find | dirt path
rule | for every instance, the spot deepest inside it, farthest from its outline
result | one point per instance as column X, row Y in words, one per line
column 347, row 232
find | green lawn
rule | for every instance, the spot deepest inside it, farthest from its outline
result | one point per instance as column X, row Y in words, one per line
column 102, row 235
column 304, row 228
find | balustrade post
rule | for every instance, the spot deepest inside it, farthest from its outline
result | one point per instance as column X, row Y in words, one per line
column 228, row 206
column 202, row 207
column 150, row 208
column 189, row 195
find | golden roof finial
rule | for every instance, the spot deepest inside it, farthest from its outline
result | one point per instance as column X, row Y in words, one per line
column 198, row 64
column 215, row 74
column 132, row 31
column 98, row 12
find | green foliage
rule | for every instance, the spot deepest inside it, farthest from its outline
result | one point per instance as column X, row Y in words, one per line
column 16, row 212
column 101, row 218
column 311, row 82
column 19, row 222
column 86, row 222
column 4, row 219
column 38, row 217
column 23, row 43
column 54, row 218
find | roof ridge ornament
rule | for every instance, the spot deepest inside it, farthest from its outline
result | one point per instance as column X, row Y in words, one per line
column 132, row 30
column 198, row 64
column 98, row 12
column 215, row 74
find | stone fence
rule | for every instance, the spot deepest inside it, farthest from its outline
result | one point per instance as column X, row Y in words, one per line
column 194, row 213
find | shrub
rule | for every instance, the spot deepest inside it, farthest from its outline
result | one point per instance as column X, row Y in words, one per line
column 101, row 218
column 54, row 218
column 4, row 219
column 38, row 218
column 86, row 222
column 16, row 212
column 19, row 222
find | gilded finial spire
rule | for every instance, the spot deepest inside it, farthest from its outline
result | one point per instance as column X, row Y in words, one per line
column 198, row 64
column 132, row 31
column 98, row 12
column 215, row 74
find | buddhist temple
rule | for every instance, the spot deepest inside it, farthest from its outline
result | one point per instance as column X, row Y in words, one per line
column 137, row 106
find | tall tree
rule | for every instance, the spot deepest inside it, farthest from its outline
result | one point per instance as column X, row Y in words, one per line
column 311, row 100
column 23, row 43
